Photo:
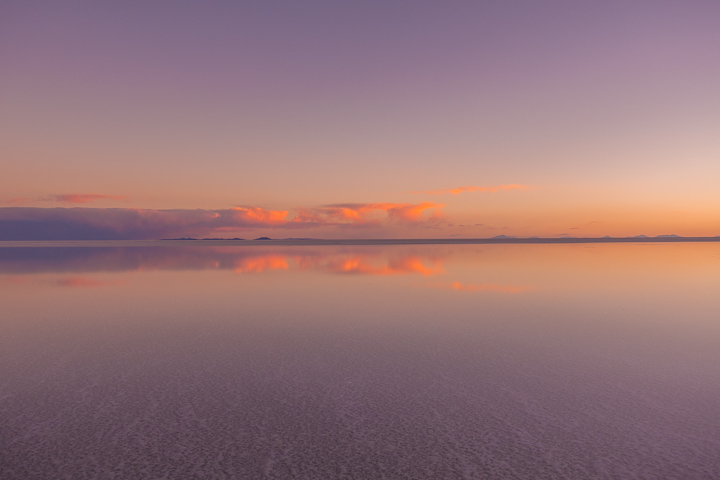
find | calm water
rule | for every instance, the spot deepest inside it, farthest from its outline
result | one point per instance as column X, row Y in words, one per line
column 494, row 361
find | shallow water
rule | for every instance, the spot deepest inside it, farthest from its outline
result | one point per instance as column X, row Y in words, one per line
column 445, row 361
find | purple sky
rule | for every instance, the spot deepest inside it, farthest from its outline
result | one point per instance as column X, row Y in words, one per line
column 607, row 112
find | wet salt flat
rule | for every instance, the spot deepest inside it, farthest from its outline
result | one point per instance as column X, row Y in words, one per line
column 394, row 362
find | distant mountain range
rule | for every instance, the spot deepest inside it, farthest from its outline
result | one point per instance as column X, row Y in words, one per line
column 499, row 239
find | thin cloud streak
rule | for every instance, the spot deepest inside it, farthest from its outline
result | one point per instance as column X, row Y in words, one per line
column 75, row 198
column 21, row 200
column 472, row 188
column 85, row 197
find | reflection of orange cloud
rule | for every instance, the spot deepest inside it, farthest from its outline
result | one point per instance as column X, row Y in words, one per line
column 353, row 264
column 361, row 265
column 459, row 190
column 260, row 264
column 484, row 287
column 414, row 265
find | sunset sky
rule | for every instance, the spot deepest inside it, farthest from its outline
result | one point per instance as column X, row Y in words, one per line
column 373, row 119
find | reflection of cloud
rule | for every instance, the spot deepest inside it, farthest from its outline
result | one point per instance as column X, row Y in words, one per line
column 483, row 287
column 348, row 264
column 18, row 223
column 471, row 188
column 366, row 266
column 251, row 259
column 262, row 263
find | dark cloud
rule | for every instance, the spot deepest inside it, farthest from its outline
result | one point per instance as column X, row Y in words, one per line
column 17, row 223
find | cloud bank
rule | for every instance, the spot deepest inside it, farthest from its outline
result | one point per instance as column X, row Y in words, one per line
column 20, row 223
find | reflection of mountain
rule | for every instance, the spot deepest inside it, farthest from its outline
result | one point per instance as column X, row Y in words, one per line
column 239, row 259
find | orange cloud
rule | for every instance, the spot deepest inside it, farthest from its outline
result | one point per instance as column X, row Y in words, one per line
column 471, row 188
column 359, row 213
column 305, row 215
column 260, row 215
column 342, row 214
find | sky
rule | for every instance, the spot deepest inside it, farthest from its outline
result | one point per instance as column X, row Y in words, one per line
column 373, row 119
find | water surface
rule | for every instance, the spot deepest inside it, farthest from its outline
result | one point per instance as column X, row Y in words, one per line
column 400, row 361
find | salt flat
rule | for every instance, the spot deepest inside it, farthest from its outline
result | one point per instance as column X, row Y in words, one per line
column 360, row 362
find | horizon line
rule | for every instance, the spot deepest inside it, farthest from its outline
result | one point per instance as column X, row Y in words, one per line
column 355, row 241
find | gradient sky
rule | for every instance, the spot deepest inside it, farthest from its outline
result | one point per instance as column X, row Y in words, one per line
column 360, row 119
